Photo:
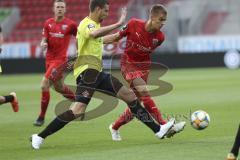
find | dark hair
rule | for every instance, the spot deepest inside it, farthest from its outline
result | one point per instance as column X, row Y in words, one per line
column 158, row 8
column 97, row 3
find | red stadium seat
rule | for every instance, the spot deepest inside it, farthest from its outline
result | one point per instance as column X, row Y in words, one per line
column 35, row 12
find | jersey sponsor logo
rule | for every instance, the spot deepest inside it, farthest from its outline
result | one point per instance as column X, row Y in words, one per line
column 57, row 35
column 91, row 26
column 64, row 27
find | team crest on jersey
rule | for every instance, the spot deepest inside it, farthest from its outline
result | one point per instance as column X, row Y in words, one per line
column 64, row 27
column 155, row 42
column 85, row 94
column 90, row 26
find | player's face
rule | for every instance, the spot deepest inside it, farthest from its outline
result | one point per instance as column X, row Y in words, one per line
column 103, row 12
column 59, row 9
column 159, row 21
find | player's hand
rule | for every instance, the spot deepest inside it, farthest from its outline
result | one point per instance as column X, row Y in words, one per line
column 123, row 16
column 44, row 46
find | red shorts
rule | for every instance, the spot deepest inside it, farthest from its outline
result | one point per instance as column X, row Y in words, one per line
column 131, row 72
column 53, row 70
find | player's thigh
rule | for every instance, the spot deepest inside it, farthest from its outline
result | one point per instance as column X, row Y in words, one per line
column 112, row 86
column 109, row 84
column 126, row 94
column 87, row 83
column 53, row 71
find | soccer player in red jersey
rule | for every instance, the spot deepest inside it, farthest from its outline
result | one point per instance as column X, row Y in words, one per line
column 12, row 97
column 56, row 34
column 142, row 38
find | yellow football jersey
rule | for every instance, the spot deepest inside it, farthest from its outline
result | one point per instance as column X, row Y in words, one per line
column 89, row 49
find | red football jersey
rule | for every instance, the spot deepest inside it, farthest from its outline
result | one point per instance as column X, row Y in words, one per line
column 58, row 35
column 140, row 43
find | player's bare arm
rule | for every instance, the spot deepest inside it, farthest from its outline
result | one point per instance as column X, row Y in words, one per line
column 111, row 38
column 44, row 44
column 107, row 29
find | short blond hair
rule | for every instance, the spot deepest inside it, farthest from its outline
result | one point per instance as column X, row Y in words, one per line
column 59, row 1
column 158, row 8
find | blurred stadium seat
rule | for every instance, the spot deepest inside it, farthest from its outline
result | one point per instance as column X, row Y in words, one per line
column 34, row 13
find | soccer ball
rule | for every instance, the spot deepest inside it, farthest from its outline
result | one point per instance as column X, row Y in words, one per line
column 200, row 120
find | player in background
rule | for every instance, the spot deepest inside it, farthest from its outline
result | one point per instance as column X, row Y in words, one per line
column 56, row 34
column 142, row 38
column 12, row 97
column 90, row 77
column 1, row 42
column 235, row 149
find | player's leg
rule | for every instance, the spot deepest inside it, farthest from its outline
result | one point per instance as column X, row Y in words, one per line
column 114, row 86
column 58, row 123
column 143, row 94
column 124, row 118
column 61, row 88
column 45, row 98
column 84, row 85
column 140, row 89
column 11, row 98
column 235, row 149
column 141, row 113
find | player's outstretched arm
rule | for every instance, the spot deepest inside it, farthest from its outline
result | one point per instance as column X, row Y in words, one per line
column 111, row 38
column 107, row 29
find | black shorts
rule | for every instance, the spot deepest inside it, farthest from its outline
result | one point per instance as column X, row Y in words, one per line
column 92, row 80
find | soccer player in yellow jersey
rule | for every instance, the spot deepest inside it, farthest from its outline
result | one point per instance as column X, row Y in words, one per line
column 90, row 77
column 12, row 97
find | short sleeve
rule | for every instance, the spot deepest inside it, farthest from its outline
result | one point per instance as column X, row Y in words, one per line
column 88, row 29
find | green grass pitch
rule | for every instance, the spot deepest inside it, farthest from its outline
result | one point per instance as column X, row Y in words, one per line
column 214, row 90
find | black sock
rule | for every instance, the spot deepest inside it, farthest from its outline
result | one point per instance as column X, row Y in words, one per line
column 58, row 123
column 236, row 145
column 140, row 113
column 8, row 98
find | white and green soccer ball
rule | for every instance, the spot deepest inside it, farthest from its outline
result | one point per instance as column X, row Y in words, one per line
column 200, row 120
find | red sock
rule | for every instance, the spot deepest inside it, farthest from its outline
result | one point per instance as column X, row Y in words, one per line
column 152, row 109
column 67, row 93
column 123, row 119
column 44, row 103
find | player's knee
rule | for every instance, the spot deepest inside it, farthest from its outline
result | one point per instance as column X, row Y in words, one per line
column 126, row 95
column 45, row 87
column 78, row 108
column 142, row 90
